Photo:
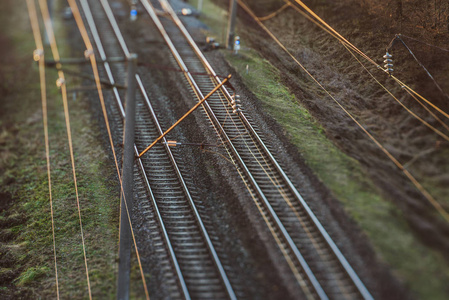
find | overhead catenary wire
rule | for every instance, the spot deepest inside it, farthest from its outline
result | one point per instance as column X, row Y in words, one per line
column 403, row 85
column 427, row 109
column 352, row 275
column 90, row 54
column 198, row 104
column 274, row 14
column 361, row 53
column 430, row 45
column 217, row 128
column 335, row 33
column 308, row 17
column 418, row 185
column 350, row 48
column 408, row 90
column 444, row 136
column 398, row 37
column 41, row 60
column 62, row 84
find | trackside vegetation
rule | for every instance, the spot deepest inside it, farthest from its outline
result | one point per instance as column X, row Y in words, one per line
column 422, row 270
column 27, row 268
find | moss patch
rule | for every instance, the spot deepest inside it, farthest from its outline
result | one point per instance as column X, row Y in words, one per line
column 423, row 270
column 27, row 266
column 31, row 274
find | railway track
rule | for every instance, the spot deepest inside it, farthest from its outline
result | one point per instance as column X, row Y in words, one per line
column 318, row 265
column 192, row 268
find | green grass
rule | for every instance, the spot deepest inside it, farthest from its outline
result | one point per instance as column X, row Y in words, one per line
column 424, row 271
column 216, row 19
column 24, row 176
column 31, row 274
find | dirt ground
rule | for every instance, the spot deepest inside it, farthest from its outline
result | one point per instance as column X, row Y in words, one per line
column 27, row 265
column 267, row 282
column 413, row 144
column 425, row 154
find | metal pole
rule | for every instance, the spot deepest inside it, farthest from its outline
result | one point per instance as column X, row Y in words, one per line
column 231, row 24
column 50, row 11
column 127, row 183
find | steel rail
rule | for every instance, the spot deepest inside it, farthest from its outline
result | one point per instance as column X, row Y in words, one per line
column 149, row 8
column 159, row 25
column 178, row 172
column 343, row 261
column 209, row 244
column 89, row 17
column 357, row 281
column 345, row 264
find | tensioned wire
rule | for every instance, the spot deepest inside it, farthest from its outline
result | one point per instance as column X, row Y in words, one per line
column 444, row 136
column 335, row 33
column 41, row 59
column 430, row 45
column 88, row 44
column 267, row 172
column 403, row 85
column 352, row 48
column 428, row 110
column 270, row 173
column 274, row 180
column 274, row 14
column 421, row 65
column 285, row 252
column 423, row 191
column 412, row 95
column 344, row 41
column 331, row 33
column 361, row 53
column 61, row 82
column 294, row 269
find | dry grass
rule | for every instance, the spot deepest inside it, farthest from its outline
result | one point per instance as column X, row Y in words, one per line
column 386, row 225
column 26, row 264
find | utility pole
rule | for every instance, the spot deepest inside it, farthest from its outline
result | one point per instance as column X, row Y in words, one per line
column 127, row 183
column 50, row 11
column 231, row 25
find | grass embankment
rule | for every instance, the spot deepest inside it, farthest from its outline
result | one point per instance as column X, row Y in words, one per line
column 26, row 244
column 424, row 271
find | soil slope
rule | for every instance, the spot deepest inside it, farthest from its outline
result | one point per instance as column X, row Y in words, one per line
column 422, row 151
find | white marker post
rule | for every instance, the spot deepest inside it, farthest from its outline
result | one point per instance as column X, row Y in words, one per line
column 133, row 12
column 236, row 45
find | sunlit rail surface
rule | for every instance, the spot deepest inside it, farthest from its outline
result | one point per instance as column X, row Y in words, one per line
column 189, row 262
